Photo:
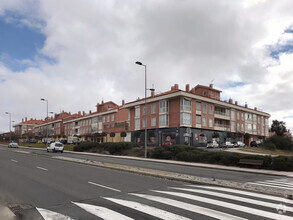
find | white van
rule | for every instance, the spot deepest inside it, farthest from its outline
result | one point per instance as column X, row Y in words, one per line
column 55, row 147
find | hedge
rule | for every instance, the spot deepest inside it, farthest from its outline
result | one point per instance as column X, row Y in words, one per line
column 191, row 154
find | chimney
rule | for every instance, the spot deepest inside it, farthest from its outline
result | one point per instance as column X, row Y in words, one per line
column 176, row 87
column 25, row 118
column 31, row 119
column 102, row 102
column 79, row 113
column 236, row 103
column 123, row 102
column 90, row 112
column 152, row 94
column 22, row 120
column 83, row 113
column 98, row 107
column 246, row 105
column 69, row 113
column 230, row 101
column 172, row 88
column 255, row 108
column 211, row 85
column 187, row 87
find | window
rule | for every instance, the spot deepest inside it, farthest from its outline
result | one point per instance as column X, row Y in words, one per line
column 137, row 123
column 143, row 110
column 108, row 118
column 186, row 118
column 204, row 121
column 163, row 120
column 198, row 119
column 204, row 108
column 112, row 117
column 232, row 114
column 254, row 117
column 204, row 93
column 153, row 108
column 210, row 122
column 185, row 104
column 238, row 116
column 242, row 116
column 238, row 127
column 198, row 106
column 242, row 127
column 232, row 125
column 104, row 118
column 248, row 127
column 254, row 127
column 137, row 111
column 108, row 126
column 112, row 125
column 153, row 121
column 248, row 116
column 211, row 110
column 128, row 114
column 164, row 107
column 143, row 123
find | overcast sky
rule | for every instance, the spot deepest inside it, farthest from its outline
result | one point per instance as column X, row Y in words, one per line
column 76, row 53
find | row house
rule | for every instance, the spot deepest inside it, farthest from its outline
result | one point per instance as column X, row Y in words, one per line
column 25, row 129
column 193, row 116
column 98, row 126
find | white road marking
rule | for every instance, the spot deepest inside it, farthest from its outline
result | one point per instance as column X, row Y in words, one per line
column 14, row 161
column 274, row 184
column 189, row 207
column 227, row 205
column 49, row 215
column 117, row 190
column 285, row 182
column 258, row 195
column 102, row 212
column 237, row 198
column 162, row 214
column 20, row 151
column 41, row 168
column 280, row 187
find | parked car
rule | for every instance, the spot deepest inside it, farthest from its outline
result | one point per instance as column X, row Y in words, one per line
column 253, row 144
column 33, row 141
column 55, row 147
column 212, row 144
column 13, row 145
column 229, row 144
column 240, row 144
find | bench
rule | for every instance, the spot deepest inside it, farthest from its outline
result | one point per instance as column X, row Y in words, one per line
column 258, row 163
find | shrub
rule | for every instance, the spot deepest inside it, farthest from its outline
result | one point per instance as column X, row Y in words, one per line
column 86, row 146
column 282, row 163
column 269, row 145
column 281, row 142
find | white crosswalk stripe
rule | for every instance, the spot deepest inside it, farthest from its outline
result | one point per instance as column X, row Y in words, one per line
column 102, row 212
column 50, row 215
column 276, row 183
column 204, row 201
column 148, row 209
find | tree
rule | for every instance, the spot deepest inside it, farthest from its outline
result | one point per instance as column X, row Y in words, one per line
column 246, row 136
column 136, row 135
column 216, row 135
column 279, row 127
column 112, row 135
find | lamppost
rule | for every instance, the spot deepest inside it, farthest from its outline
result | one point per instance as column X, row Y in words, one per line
column 9, row 125
column 145, row 106
column 47, row 120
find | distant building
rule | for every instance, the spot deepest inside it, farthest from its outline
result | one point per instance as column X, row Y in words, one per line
column 193, row 116
column 25, row 129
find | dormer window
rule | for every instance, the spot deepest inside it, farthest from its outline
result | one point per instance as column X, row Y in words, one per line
column 205, row 93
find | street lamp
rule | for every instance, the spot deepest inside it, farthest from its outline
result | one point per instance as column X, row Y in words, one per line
column 9, row 125
column 145, row 106
column 47, row 120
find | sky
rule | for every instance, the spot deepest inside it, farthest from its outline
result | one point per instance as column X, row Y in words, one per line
column 77, row 53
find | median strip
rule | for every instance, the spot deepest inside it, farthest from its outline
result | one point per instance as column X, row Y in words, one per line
column 41, row 168
column 117, row 190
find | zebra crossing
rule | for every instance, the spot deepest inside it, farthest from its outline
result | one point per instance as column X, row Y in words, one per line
column 283, row 183
column 186, row 202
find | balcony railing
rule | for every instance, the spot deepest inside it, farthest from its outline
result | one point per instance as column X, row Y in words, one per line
column 222, row 113
column 221, row 127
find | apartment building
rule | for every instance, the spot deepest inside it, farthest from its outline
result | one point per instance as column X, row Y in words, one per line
column 54, row 124
column 194, row 116
column 26, row 127
column 97, row 126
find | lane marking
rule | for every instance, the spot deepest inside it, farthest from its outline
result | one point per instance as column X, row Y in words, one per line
column 14, row 161
column 246, row 193
column 275, row 184
column 158, row 213
column 104, row 213
column 237, row 198
column 41, row 168
column 270, row 215
column 117, row 190
column 189, row 207
column 49, row 215
column 23, row 152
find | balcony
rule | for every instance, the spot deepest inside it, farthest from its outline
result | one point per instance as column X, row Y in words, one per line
column 221, row 127
column 222, row 115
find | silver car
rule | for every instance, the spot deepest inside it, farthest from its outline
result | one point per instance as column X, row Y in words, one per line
column 13, row 145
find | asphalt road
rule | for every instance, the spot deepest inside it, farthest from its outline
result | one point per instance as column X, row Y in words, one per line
column 38, row 187
column 228, row 175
